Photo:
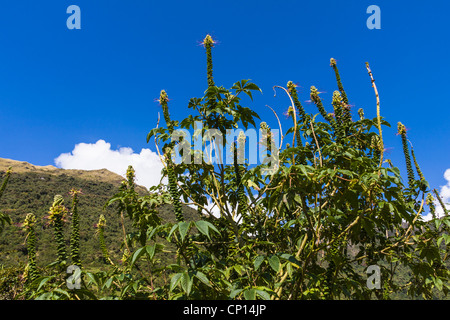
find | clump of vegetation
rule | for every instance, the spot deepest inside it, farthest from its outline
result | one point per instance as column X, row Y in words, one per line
column 303, row 224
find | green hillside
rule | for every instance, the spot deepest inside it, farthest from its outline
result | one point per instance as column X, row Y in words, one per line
column 32, row 188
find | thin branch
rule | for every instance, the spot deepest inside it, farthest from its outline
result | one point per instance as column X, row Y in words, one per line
column 279, row 124
column 293, row 110
column 378, row 112
column 156, row 145
column 317, row 143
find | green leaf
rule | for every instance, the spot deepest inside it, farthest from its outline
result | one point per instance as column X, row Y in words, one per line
column 252, row 86
column 274, row 262
column 203, row 278
column 258, row 261
column 235, row 292
column 93, row 278
column 175, row 227
column 137, row 254
column 183, row 228
column 250, row 294
column 176, row 278
column 303, row 169
column 42, row 282
column 263, row 294
column 151, row 249
column 64, row 292
column 108, row 283
column 447, row 221
column 186, row 282
column 438, row 283
column 204, row 226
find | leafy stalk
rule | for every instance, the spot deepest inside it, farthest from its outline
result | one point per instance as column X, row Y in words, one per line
column 444, row 208
column 338, row 115
column 402, row 132
column 293, row 92
column 430, row 203
column 318, row 102
column 75, row 236
column 29, row 226
column 57, row 215
column 101, row 238
column 173, row 188
column 208, row 43
column 338, row 80
column 419, row 172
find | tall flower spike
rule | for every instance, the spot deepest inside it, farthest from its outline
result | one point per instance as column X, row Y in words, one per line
column 29, row 225
column 430, row 203
column 318, row 102
column 163, row 100
column 131, row 176
column 241, row 147
column 173, row 188
column 75, row 236
column 302, row 114
column 57, row 215
column 293, row 92
column 419, row 172
column 101, row 238
column 338, row 115
column 376, row 147
column 208, row 43
column 266, row 134
column 338, row 80
column 361, row 113
column 438, row 197
column 402, row 132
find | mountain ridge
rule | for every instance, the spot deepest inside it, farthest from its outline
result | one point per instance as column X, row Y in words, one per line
column 23, row 166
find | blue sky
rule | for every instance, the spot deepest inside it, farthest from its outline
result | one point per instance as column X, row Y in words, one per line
column 61, row 87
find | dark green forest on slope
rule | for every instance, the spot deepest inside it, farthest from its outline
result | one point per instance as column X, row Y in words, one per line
column 33, row 191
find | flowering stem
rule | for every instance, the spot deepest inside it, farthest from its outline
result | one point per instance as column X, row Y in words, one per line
column 29, row 224
column 441, row 202
column 208, row 42
column 402, row 132
column 75, row 237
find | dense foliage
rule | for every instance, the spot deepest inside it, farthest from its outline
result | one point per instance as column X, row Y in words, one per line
column 305, row 224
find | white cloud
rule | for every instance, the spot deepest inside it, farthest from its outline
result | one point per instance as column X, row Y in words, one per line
column 445, row 196
column 99, row 155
